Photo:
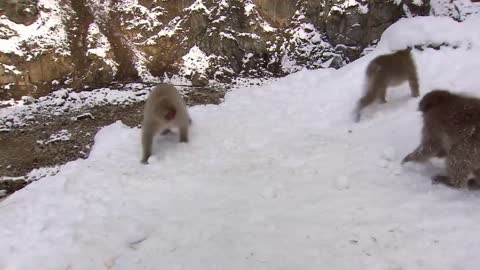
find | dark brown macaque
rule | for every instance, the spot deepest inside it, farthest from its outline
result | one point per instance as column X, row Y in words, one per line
column 385, row 71
column 164, row 109
column 451, row 129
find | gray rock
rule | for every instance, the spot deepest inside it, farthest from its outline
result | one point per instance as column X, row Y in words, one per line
column 199, row 80
column 239, row 40
column 27, row 100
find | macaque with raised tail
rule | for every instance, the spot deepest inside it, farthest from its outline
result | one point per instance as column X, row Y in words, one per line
column 164, row 109
column 384, row 71
column 451, row 129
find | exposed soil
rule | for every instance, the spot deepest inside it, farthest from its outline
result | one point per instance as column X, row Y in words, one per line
column 21, row 152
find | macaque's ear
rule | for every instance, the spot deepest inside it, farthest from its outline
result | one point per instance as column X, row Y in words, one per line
column 170, row 114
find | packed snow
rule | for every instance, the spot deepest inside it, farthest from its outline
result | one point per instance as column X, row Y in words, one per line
column 276, row 177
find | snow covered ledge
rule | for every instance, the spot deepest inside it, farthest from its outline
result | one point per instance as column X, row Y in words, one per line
column 433, row 31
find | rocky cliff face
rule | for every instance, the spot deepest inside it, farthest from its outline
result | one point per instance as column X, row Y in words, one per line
column 45, row 43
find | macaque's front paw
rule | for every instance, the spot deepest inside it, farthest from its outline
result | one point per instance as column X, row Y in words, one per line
column 472, row 184
column 441, row 179
column 407, row 158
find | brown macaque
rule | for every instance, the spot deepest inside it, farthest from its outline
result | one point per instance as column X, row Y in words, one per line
column 451, row 129
column 388, row 70
column 164, row 109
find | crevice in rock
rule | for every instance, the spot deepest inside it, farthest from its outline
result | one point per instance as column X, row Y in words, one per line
column 77, row 31
column 122, row 51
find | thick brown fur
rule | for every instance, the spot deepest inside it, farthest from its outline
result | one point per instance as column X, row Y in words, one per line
column 451, row 129
column 164, row 109
column 385, row 71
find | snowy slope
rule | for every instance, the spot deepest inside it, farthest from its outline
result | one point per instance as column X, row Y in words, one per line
column 277, row 177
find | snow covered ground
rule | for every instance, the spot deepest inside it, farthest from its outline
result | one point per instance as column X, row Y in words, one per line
column 276, row 177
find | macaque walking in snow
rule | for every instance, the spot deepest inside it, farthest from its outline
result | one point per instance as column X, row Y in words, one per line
column 388, row 70
column 451, row 129
column 164, row 109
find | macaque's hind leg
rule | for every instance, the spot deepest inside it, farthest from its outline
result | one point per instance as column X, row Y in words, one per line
column 364, row 101
column 413, row 82
column 382, row 93
column 148, row 131
column 460, row 167
column 147, row 140
column 183, row 134
column 474, row 183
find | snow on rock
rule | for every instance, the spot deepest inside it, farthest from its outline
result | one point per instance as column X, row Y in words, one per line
column 168, row 31
column 194, row 61
column 249, row 7
column 267, row 27
column 431, row 31
column 98, row 42
column 140, row 62
column 198, row 6
column 224, row 4
column 99, row 45
column 10, row 69
column 342, row 6
column 276, row 177
column 306, row 45
column 37, row 35
column 40, row 173
column 417, row 2
column 62, row 135
column 458, row 9
column 139, row 16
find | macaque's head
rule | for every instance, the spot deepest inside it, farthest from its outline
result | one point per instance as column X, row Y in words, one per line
column 433, row 99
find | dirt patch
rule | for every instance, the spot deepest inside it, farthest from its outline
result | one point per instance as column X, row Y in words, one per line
column 23, row 150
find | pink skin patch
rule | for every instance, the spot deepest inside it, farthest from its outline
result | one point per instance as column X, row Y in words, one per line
column 170, row 115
